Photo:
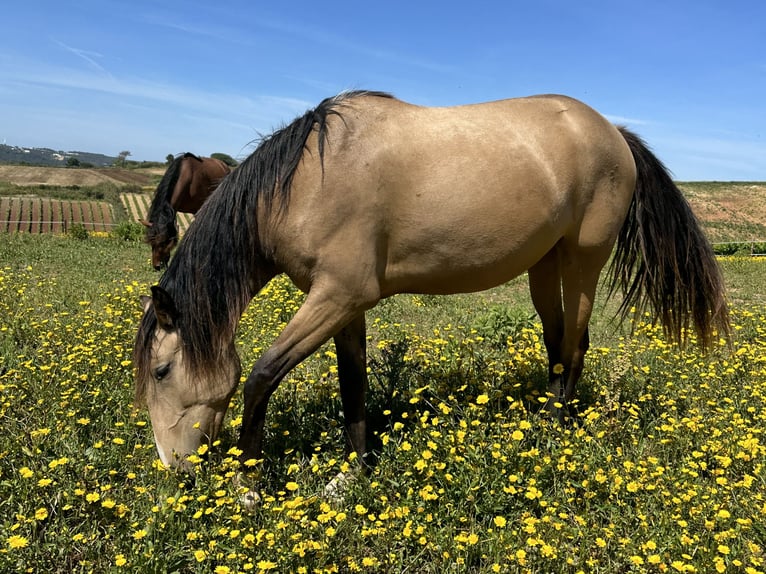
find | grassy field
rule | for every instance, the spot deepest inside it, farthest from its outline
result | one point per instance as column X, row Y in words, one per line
column 663, row 472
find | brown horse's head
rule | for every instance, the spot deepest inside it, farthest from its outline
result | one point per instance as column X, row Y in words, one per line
column 186, row 404
column 162, row 237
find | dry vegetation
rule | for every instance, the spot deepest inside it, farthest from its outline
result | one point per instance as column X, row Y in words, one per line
column 726, row 206
column 56, row 176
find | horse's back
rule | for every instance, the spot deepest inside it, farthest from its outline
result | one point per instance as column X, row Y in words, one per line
column 463, row 198
column 198, row 179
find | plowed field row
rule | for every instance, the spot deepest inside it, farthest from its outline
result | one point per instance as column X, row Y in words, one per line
column 137, row 206
column 44, row 215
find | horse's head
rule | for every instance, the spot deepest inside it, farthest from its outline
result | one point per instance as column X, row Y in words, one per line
column 162, row 239
column 186, row 403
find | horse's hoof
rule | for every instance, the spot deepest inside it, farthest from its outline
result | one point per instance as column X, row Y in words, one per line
column 336, row 489
column 250, row 500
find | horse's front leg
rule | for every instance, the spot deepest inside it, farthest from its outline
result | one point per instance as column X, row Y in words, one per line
column 351, row 347
column 321, row 316
column 259, row 386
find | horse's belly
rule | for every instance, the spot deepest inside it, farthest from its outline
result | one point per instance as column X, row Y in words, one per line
column 467, row 265
column 468, row 237
column 443, row 283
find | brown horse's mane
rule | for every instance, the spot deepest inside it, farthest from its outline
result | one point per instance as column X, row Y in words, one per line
column 161, row 214
column 221, row 255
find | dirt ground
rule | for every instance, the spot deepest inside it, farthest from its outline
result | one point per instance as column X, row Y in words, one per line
column 32, row 175
column 729, row 208
column 747, row 201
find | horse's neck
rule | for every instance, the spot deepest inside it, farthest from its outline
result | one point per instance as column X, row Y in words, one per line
column 190, row 190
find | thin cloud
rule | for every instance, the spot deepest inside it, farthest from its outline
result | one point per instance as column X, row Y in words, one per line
column 342, row 45
column 626, row 121
column 706, row 157
column 741, row 149
column 303, row 33
column 85, row 55
column 259, row 107
column 215, row 32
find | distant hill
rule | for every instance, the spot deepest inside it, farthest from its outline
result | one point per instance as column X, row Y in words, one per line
column 49, row 157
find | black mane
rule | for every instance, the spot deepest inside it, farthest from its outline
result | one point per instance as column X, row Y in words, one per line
column 220, row 257
column 161, row 214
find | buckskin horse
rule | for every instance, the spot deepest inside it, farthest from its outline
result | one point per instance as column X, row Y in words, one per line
column 187, row 183
column 366, row 196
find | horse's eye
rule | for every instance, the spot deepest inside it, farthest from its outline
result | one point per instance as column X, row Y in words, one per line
column 161, row 371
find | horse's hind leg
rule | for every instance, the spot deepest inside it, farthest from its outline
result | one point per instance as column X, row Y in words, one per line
column 565, row 318
column 577, row 365
column 545, row 289
column 580, row 270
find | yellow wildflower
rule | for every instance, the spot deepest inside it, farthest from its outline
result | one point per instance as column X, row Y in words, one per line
column 16, row 541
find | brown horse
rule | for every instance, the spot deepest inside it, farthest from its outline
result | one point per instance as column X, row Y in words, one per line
column 187, row 183
column 367, row 196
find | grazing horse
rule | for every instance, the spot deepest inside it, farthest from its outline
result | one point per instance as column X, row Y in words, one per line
column 367, row 196
column 187, row 183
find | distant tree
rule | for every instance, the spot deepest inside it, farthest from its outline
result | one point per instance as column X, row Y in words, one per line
column 169, row 158
column 225, row 158
column 122, row 157
column 72, row 162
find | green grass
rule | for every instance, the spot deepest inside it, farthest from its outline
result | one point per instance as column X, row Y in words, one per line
column 665, row 470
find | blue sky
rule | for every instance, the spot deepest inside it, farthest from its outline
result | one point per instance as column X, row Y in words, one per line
column 164, row 77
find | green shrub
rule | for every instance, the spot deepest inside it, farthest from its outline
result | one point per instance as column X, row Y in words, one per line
column 725, row 248
column 500, row 322
column 740, row 248
column 78, row 231
column 129, row 231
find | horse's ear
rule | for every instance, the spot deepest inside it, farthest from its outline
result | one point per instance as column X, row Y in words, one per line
column 164, row 308
column 145, row 223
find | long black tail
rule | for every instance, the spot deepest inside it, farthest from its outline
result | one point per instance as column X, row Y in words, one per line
column 663, row 259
